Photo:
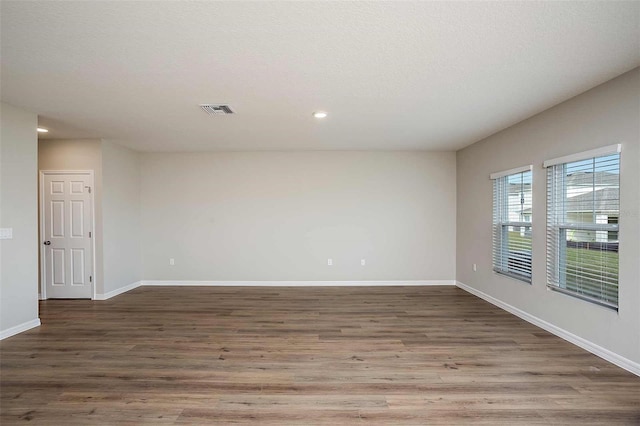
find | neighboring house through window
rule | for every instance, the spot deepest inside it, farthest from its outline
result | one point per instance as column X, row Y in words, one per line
column 512, row 214
column 583, row 209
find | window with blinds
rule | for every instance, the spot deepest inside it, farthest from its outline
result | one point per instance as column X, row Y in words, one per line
column 512, row 213
column 583, row 211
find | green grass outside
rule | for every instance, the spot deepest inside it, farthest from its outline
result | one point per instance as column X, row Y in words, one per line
column 576, row 279
column 604, row 262
column 517, row 241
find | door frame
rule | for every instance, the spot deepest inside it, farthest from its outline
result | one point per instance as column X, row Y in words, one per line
column 90, row 174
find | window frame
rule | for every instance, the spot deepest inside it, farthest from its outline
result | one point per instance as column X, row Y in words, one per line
column 500, row 226
column 557, row 229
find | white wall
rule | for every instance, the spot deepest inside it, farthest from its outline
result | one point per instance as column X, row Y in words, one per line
column 79, row 154
column 18, row 206
column 280, row 215
column 121, row 216
column 605, row 115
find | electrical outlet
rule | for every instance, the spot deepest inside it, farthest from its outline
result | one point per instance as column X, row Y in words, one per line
column 329, row 262
column 172, row 261
column 6, row 233
column 475, row 267
column 363, row 262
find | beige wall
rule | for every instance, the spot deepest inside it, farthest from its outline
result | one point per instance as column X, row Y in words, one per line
column 79, row 154
column 280, row 215
column 121, row 216
column 18, row 202
column 605, row 115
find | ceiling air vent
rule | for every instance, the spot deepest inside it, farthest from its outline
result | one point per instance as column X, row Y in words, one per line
column 216, row 109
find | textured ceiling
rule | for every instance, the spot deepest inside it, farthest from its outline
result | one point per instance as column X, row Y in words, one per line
column 392, row 75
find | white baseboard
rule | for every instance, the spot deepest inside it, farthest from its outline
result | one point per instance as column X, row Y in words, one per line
column 19, row 328
column 585, row 344
column 298, row 283
column 184, row 283
column 118, row 291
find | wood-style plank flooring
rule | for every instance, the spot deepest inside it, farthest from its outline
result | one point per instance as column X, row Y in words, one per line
column 326, row 355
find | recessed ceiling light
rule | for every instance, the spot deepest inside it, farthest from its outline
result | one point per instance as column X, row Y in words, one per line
column 320, row 114
column 42, row 130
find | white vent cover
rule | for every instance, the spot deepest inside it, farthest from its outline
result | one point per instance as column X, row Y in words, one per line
column 216, row 109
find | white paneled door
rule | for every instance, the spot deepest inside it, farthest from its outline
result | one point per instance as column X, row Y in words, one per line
column 67, row 226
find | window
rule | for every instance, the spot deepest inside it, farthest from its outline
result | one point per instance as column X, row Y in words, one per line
column 512, row 223
column 583, row 208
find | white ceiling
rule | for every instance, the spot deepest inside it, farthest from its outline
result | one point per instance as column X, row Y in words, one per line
column 392, row 75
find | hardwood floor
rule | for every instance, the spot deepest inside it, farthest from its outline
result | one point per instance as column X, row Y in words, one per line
column 273, row 356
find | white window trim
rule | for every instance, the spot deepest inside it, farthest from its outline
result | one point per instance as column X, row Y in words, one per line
column 585, row 155
column 503, row 224
column 498, row 175
column 553, row 230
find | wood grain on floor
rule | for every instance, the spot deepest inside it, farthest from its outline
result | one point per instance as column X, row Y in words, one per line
column 324, row 355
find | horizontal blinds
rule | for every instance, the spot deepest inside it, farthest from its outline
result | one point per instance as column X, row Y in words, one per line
column 512, row 215
column 583, row 208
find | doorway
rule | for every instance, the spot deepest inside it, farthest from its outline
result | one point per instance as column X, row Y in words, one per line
column 67, row 234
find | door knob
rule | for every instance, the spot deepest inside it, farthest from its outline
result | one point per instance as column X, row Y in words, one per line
column 47, row 243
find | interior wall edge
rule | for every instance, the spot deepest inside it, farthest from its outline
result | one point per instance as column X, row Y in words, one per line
column 19, row 328
column 606, row 354
column 118, row 291
column 292, row 283
column 231, row 283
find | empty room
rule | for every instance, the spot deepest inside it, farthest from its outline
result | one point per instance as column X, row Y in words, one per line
column 322, row 212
